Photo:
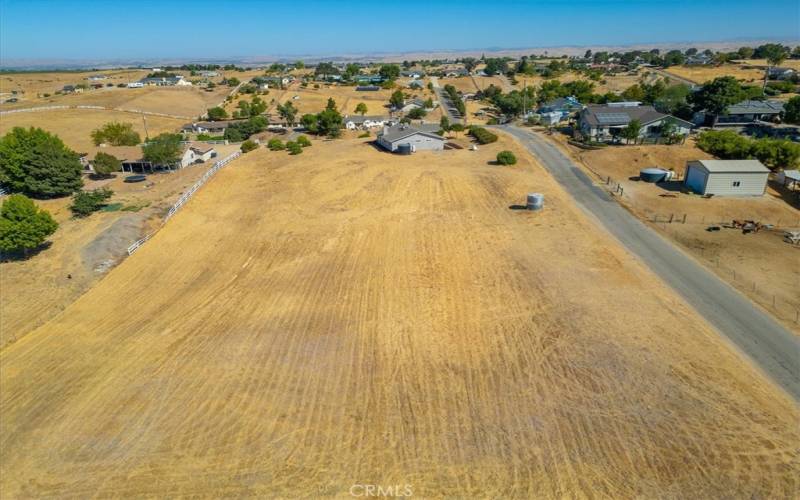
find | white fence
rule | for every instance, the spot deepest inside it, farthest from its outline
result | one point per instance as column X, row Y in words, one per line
column 102, row 108
column 185, row 196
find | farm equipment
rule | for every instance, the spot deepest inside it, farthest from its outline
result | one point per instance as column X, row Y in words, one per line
column 792, row 237
column 747, row 226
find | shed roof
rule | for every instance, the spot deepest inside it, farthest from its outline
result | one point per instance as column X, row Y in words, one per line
column 122, row 153
column 755, row 107
column 738, row 166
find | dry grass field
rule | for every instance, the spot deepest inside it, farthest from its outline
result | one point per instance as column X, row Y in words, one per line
column 702, row 74
column 74, row 126
column 735, row 257
column 34, row 83
column 85, row 249
column 609, row 83
column 346, row 316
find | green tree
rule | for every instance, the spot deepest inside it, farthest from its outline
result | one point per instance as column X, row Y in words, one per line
column 791, row 110
column 745, row 52
column 397, row 99
column 105, row 164
column 86, row 202
column 775, row 54
column 288, row 112
column 715, row 96
column 163, row 150
column 38, row 164
column 275, row 144
column 294, row 148
column 116, row 134
column 217, row 113
column 309, row 122
column 329, row 122
column 389, row 71
column 361, row 108
column 631, row 131
column 444, row 124
column 23, row 225
column 416, row 114
column 303, row 141
column 506, row 158
column 299, row 65
column 248, row 146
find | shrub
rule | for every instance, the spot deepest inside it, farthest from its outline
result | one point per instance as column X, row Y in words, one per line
column 294, row 148
column 104, row 164
column 23, row 225
column 249, row 145
column 275, row 145
column 506, row 158
column 303, row 141
column 217, row 113
column 86, row 202
column 416, row 114
column 38, row 164
column 482, row 135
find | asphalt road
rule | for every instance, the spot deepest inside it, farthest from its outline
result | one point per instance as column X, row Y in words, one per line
column 444, row 102
column 774, row 349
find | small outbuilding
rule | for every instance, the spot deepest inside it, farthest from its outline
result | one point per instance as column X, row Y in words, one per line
column 726, row 177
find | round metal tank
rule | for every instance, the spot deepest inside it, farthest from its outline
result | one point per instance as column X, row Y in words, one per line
column 404, row 149
column 535, row 201
column 652, row 174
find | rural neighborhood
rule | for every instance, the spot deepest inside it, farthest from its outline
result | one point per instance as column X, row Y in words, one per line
column 570, row 271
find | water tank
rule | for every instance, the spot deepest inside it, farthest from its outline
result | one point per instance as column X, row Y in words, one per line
column 653, row 174
column 535, row 201
column 404, row 149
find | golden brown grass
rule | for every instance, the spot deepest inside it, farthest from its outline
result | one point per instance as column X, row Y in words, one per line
column 74, row 126
column 702, row 74
column 348, row 317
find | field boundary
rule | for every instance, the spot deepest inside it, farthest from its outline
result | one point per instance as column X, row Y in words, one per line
column 185, row 197
column 95, row 108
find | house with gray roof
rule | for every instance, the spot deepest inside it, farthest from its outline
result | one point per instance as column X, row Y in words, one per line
column 408, row 138
column 742, row 113
column 605, row 123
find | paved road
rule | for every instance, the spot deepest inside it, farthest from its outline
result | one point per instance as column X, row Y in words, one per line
column 771, row 346
column 444, row 102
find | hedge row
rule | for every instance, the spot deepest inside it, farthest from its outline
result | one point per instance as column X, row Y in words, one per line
column 482, row 135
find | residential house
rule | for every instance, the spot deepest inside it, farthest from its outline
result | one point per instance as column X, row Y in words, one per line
column 130, row 156
column 416, row 84
column 207, row 74
column 412, row 74
column 96, row 78
column 135, row 85
column 604, row 123
column 165, row 81
column 408, row 139
column 416, row 103
column 776, row 73
column 367, row 88
column 208, row 127
column 369, row 79
column 366, row 122
column 701, row 59
column 559, row 109
column 196, row 152
column 743, row 113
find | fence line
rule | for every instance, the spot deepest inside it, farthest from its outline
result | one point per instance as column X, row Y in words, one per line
column 102, row 108
column 684, row 218
column 186, row 196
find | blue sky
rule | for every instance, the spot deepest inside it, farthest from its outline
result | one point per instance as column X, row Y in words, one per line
column 118, row 29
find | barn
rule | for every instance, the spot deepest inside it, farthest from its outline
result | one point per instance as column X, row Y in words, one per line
column 726, row 177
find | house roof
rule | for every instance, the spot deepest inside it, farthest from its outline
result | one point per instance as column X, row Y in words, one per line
column 756, row 107
column 401, row 131
column 211, row 124
column 201, row 147
column 610, row 116
column 738, row 166
column 362, row 119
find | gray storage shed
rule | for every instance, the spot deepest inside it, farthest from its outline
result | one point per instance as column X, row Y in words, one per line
column 726, row 177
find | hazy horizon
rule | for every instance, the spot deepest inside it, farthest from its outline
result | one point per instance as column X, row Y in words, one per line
column 148, row 30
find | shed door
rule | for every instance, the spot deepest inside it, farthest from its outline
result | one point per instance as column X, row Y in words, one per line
column 696, row 180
